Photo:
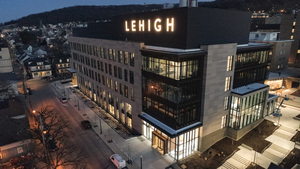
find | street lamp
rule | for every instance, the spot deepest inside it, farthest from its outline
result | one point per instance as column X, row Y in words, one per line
column 141, row 161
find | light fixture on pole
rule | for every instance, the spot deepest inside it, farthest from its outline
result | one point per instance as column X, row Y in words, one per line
column 141, row 161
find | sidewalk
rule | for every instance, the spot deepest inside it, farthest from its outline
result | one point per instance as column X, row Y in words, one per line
column 135, row 147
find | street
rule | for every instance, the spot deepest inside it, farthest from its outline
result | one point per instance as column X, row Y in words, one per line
column 97, row 151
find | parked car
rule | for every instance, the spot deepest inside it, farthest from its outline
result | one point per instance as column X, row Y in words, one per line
column 86, row 124
column 52, row 145
column 29, row 91
column 45, row 77
column 63, row 100
column 118, row 161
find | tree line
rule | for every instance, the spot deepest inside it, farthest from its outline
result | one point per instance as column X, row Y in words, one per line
column 94, row 13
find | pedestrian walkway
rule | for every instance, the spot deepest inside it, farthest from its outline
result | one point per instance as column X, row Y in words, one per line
column 280, row 146
column 138, row 150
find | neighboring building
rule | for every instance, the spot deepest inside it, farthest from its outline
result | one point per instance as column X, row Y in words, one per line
column 184, row 82
column 61, row 64
column 289, row 27
column 279, row 56
column 5, row 60
column 39, row 67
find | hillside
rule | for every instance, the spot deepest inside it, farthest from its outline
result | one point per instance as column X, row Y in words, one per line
column 83, row 14
column 93, row 13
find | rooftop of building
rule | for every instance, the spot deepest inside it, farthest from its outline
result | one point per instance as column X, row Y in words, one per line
column 248, row 88
column 33, row 61
column 191, row 28
column 253, row 46
column 3, row 43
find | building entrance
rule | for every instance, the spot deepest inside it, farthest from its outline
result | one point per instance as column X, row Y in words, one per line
column 159, row 142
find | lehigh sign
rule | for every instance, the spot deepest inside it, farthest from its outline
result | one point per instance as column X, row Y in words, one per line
column 148, row 25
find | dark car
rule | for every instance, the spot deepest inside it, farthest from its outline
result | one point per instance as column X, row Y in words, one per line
column 45, row 77
column 52, row 145
column 86, row 124
column 29, row 91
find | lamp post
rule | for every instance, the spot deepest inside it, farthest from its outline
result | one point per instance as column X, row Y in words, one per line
column 295, row 144
column 141, row 161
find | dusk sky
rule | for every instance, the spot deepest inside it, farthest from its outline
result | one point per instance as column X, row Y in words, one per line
column 15, row 9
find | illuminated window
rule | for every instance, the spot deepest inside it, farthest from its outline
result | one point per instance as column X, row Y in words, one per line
column 298, row 51
column 294, row 23
column 229, row 63
column 226, row 101
column 223, row 123
column 293, row 30
column 227, row 83
column 278, row 67
column 292, row 37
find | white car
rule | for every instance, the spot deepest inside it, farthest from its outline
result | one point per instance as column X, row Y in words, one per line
column 118, row 161
column 63, row 100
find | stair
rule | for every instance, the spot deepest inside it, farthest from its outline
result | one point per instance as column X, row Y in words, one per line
column 281, row 135
column 229, row 166
column 272, row 157
column 287, row 129
column 279, row 149
column 241, row 159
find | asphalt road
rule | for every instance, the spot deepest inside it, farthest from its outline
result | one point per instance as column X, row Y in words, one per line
column 44, row 94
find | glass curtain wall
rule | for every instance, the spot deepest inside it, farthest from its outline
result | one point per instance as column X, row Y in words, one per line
column 178, row 147
column 171, row 69
column 174, row 94
column 245, row 111
column 251, row 58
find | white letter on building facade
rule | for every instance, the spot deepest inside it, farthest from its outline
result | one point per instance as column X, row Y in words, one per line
column 133, row 25
column 170, row 24
column 141, row 25
column 149, row 25
column 157, row 27
column 126, row 26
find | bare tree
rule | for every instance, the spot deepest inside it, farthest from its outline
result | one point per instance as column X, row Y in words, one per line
column 51, row 146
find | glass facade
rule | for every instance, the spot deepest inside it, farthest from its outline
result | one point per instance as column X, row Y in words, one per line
column 171, row 69
column 250, row 67
column 244, row 111
column 178, row 147
column 172, row 89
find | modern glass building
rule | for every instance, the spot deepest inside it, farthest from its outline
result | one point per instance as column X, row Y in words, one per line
column 181, row 88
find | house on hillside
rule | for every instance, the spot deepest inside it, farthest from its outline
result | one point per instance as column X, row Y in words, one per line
column 39, row 67
column 61, row 64
column 5, row 60
column 40, row 53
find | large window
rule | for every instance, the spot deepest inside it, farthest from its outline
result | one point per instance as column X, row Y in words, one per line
column 120, row 56
column 227, row 83
column 125, row 91
column 110, row 54
column 251, row 59
column 226, row 101
column 132, row 59
column 115, row 71
column 131, row 75
column 126, row 58
column 184, row 93
column 171, row 69
column 229, row 63
column 244, row 111
column 120, row 72
column 125, row 75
